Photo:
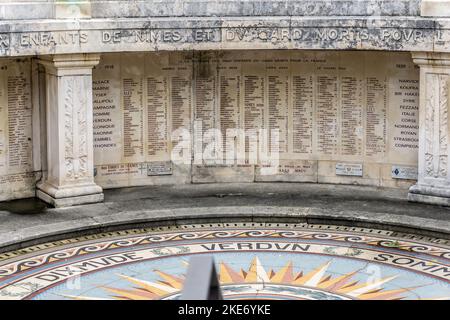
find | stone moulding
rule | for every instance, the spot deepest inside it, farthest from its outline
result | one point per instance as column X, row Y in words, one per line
column 84, row 225
column 48, row 9
column 29, row 38
column 430, row 58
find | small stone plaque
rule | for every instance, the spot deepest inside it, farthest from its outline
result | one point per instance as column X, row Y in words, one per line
column 349, row 169
column 401, row 172
column 159, row 168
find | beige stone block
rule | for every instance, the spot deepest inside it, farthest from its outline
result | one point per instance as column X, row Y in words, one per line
column 67, row 9
column 435, row 8
column 129, row 175
column 210, row 174
column 327, row 174
column 290, row 171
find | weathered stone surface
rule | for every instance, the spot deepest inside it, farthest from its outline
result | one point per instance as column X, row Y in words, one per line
column 44, row 9
column 99, row 26
column 330, row 107
column 435, row 8
column 223, row 203
column 393, row 34
column 355, row 108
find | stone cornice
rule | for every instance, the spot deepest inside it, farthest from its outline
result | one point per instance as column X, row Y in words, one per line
column 49, row 9
column 30, row 38
column 432, row 59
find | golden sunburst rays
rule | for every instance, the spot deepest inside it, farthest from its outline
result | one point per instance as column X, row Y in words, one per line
column 344, row 285
column 317, row 278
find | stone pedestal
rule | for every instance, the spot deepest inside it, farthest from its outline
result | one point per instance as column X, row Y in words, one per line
column 70, row 176
column 433, row 185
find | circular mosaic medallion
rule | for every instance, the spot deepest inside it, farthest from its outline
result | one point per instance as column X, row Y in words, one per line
column 253, row 260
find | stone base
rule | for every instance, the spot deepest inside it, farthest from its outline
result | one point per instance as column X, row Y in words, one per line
column 431, row 195
column 69, row 196
column 415, row 197
column 70, row 201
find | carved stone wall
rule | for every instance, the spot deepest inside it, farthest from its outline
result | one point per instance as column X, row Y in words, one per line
column 343, row 117
column 48, row 9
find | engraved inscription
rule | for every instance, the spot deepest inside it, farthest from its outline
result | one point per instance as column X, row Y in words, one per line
column 328, row 107
column 17, row 178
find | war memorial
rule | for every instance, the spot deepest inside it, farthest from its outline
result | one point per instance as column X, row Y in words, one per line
column 304, row 145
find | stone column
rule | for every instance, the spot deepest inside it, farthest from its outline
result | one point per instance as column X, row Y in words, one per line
column 433, row 185
column 69, row 179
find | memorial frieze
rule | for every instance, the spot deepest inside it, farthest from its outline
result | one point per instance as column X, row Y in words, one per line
column 394, row 34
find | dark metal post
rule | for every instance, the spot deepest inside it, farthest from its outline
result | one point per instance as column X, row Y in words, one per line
column 201, row 280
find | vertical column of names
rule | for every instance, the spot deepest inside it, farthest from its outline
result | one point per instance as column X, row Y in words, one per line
column 107, row 112
column 17, row 178
column 157, row 111
column 254, row 81
column 205, row 99
column 351, row 69
column 351, row 115
column 3, row 116
column 302, row 105
column 327, row 108
column 181, row 101
column 375, row 116
column 230, row 105
column 404, row 112
column 181, row 95
column 102, row 105
column 19, row 118
column 278, row 100
column 133, row 110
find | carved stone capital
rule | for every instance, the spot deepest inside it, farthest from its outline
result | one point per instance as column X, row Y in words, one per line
column 435, row 59
column 70, row 64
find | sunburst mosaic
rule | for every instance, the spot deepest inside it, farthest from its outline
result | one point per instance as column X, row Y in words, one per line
column 260, row 261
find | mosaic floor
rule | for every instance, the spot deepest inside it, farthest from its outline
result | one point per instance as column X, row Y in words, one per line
column 254, row 260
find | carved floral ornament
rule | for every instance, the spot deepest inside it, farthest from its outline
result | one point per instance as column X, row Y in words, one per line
column 75, row 133
column 435, row 75
column 436, row 125
column 73, row 73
